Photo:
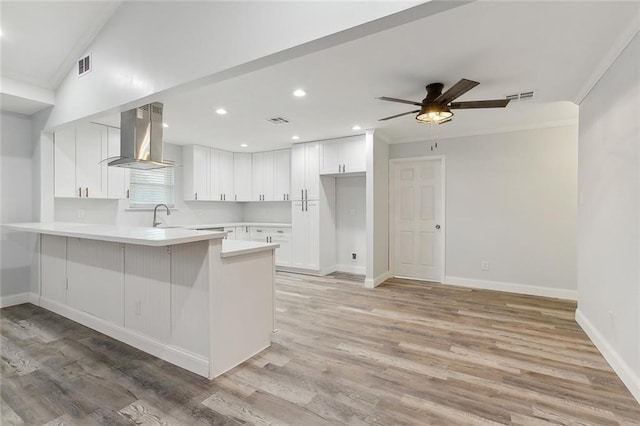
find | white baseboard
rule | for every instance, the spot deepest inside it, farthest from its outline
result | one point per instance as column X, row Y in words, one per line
column 630, row 378
column 34, row 299
column 533, row 290
column 180, row 357
column 375, row 282
column 351, row 269
column 14, row 299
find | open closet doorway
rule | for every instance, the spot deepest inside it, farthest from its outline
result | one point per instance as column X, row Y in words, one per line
column 417, row 218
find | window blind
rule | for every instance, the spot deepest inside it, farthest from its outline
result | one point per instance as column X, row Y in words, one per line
column 151, row 187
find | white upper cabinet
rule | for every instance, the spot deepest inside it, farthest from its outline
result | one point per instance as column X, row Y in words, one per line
column 65, row 163
column 79, row 168
column 118, row 177
column 225, row 175
column 267, row 182
column 196, row 172
column 305, row 176
column 242, row 176
column 346, row 155
column 221, row 175
column 91, row 149
column 282, row 177
column 213, row 174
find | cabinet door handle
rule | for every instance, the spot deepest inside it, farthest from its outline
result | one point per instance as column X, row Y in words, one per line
column 196, row 197
column 302, row 205
column 80, row 192
column 344, row 168
column 127, row 193
column 306, row 197
column 302, row 194
column 339, row 167
column 86, row 192
column 236, row 198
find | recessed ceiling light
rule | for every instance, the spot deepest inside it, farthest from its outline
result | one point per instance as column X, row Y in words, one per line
column 356, row 127
column 221, row 111
column 244, row 145
column 165, row 125
column 299, row 93
column 295, row 137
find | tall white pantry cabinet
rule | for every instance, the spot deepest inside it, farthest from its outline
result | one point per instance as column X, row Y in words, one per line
column 313, row 227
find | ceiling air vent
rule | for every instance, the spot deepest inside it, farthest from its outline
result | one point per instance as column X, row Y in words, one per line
column 277, row 120
column 84, row 65
column 522, row 96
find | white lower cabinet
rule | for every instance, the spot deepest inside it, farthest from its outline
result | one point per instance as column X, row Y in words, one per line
column 231, row 232
column 95, row 274
column 53, row 265
column 243, row 233
column 283, row 253
column 280, row 235
column 147, row 291
column 305, row 223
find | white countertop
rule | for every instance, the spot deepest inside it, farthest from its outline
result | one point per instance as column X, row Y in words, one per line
column 232, row 248
column 230, row 224
column 146, row 236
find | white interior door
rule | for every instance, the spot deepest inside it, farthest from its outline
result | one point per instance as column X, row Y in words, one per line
column 418, row 236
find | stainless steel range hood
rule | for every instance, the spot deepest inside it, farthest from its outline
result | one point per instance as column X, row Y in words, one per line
column 141, row 139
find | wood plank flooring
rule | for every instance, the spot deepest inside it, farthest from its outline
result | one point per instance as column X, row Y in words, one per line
column 406, row 353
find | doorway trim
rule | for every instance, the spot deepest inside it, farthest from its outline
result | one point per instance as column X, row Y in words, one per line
column 393, row 164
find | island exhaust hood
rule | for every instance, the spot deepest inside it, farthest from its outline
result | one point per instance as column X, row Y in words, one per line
column 141, row 143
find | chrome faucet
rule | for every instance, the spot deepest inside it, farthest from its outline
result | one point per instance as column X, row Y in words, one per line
column 155, row 212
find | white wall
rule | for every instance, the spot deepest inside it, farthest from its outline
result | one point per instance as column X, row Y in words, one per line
column 510, row 200
column 609, row 216
column 270, row 212
column 351, row 230
column 17, row 249
column 377, row 215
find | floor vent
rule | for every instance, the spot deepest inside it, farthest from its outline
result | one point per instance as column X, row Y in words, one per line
column 522, row 96
column 84, row 65
column 277, row 120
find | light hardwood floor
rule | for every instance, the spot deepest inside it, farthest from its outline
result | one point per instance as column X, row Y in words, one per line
column 404, row 353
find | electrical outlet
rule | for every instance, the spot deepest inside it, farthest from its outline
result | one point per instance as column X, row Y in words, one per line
column 484, row 265
column 354, row 257
column 80, row 213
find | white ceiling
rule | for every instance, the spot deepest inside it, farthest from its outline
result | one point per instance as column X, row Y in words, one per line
column 41, row 40
column 550, row 47
column 509, row 47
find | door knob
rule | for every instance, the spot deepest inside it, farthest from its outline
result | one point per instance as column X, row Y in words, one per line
column 437, row 226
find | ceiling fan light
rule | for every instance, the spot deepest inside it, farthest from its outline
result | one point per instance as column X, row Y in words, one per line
column 434, row 114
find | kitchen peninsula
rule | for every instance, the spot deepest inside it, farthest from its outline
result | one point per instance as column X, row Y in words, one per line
column 189, row 297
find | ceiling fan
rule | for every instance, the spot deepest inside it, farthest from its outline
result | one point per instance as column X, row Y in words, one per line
column 437, row 106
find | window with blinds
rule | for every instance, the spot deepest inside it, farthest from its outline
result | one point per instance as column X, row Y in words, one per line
column 151, row 187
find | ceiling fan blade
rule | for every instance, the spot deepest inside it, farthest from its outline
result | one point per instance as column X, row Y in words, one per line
column 497, row 103
column 445, row 121
column 399, row 115
column 457, row 90
column 402, row 101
